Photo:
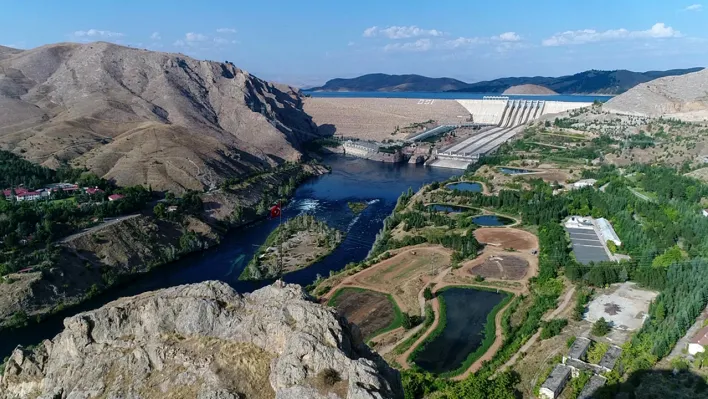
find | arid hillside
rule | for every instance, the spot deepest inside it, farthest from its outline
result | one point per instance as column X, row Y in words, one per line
column 683, row 97
column 143, row 117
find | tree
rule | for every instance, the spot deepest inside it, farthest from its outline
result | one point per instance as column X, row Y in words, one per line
column 160, row 210
column 427, row 294
column 601, row 327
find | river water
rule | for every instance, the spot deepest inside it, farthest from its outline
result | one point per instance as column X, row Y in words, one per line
column 352, row 179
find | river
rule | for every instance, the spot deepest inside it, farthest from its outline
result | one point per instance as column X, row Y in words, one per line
column 352, row 179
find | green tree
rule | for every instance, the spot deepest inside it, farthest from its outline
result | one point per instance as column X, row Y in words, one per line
column 601, row 327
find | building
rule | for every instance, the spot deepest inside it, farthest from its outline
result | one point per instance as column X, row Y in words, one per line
column 607, row 232
column 579, row 348
column 699, row 341
column 28, row 196
column 555, row 382
column 94, row 190
column 610, row 358
column 596, row 382
column 115, row 197
column 705, row 212
column 583, row 183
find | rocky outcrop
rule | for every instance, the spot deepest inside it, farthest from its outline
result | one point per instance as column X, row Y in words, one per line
column 203, row 341
column 682, row 97
column 529, row 89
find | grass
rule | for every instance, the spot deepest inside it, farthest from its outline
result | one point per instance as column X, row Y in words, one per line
column 357, row 207
column 405, row 345
column 397, row 314
column 489, row 330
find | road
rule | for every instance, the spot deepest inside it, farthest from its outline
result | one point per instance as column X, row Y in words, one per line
column 106, row 222
column 640, row 195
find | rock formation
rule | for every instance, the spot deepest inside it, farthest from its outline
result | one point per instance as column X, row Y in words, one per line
column 203, row 341
column 683, row 97
column 529, row 89
column 145, row 117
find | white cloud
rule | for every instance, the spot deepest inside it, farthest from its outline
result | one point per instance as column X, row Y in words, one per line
column 97, row 33
column 220, row 40
column 694, row 7
column 350, row 44
column 657, row 31
column 462, row 42
column 401, row 32
column 155, row 36
column 195, row 37
column 418, row 45
column 508, row 37
column 226, row 30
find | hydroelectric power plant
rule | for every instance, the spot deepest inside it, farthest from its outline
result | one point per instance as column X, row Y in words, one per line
column 499, row 118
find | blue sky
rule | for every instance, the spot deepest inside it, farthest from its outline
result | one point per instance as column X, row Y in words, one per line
column 308, row 42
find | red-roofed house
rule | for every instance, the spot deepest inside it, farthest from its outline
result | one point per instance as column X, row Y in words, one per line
column 115, row 197
column 93, row 190
column 28, row 196
column 699, row 341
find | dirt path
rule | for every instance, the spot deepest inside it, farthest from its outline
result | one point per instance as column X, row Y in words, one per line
column 489, row 354
column 107, row 222
column 525, row 348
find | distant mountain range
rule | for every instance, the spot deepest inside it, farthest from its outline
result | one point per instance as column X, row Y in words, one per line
column 592, row 81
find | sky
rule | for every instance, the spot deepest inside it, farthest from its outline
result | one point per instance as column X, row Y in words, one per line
column 305, row 42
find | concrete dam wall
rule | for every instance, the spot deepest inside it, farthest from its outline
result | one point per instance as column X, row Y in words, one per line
column 506, row 112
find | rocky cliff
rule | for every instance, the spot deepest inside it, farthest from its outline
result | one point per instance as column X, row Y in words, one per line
column 203, row 341
column 683, row 97
column 145, row 117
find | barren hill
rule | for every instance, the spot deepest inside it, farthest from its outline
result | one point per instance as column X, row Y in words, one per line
column 143, row 117
column 391, row 83
column 529, row 89
column 684, row 97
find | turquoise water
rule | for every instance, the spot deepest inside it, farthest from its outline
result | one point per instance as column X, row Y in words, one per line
column 491, row 220
column 452, row 96
column 466, row 186
column 466, row 311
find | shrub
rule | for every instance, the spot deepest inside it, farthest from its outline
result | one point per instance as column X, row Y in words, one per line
column 601, row 327
column 596, row 352
column 329, row 377
column 427, row 294
column 570, row 341
column 553, row 328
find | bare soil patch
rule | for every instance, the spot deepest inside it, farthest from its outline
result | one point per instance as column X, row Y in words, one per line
column 502, row 267
column 370, row 310
column 519, row 240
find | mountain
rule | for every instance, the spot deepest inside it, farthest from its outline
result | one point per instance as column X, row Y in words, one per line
column 391, row 83
column 684, row 97
column 593, row 81
column 144, row 117
column 204, row 341
column 529, row 89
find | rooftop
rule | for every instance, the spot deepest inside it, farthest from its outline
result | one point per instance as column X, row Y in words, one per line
column 580, row 346
column 595, row 383
column 701, row 337
column 558, row 376
column 610, row 358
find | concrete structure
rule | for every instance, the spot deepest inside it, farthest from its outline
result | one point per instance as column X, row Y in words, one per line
column 555, row 382
column 579, row 348
column 506, row 112
column 607, row 232
column 625, row 306
column 705, row 212
column 584, row 183
column 698, row 341
column 439, row 130
column 607, row 363
column 596, row 382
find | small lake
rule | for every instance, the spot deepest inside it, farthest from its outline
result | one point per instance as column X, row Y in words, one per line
column 466, row 311
column 466, row 186
column 448, row 208
column 491, row 220
column 515, row 171
column 452, row 96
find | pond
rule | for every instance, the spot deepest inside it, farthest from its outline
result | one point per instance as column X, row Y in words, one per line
column 448, row 208
column 466, row 186
column 491, row 220
column 514, row 171
column 466, row 311
column 327, row 197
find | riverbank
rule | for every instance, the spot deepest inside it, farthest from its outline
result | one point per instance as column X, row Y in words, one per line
column 118, row 253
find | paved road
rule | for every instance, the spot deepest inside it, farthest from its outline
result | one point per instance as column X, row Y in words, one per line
column 106, row 222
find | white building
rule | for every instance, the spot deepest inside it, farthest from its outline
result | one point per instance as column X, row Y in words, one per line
column 607, row 232
column 584, row 183
column 705, row 212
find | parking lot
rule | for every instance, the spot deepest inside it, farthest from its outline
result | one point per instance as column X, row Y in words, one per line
column 587, row 246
